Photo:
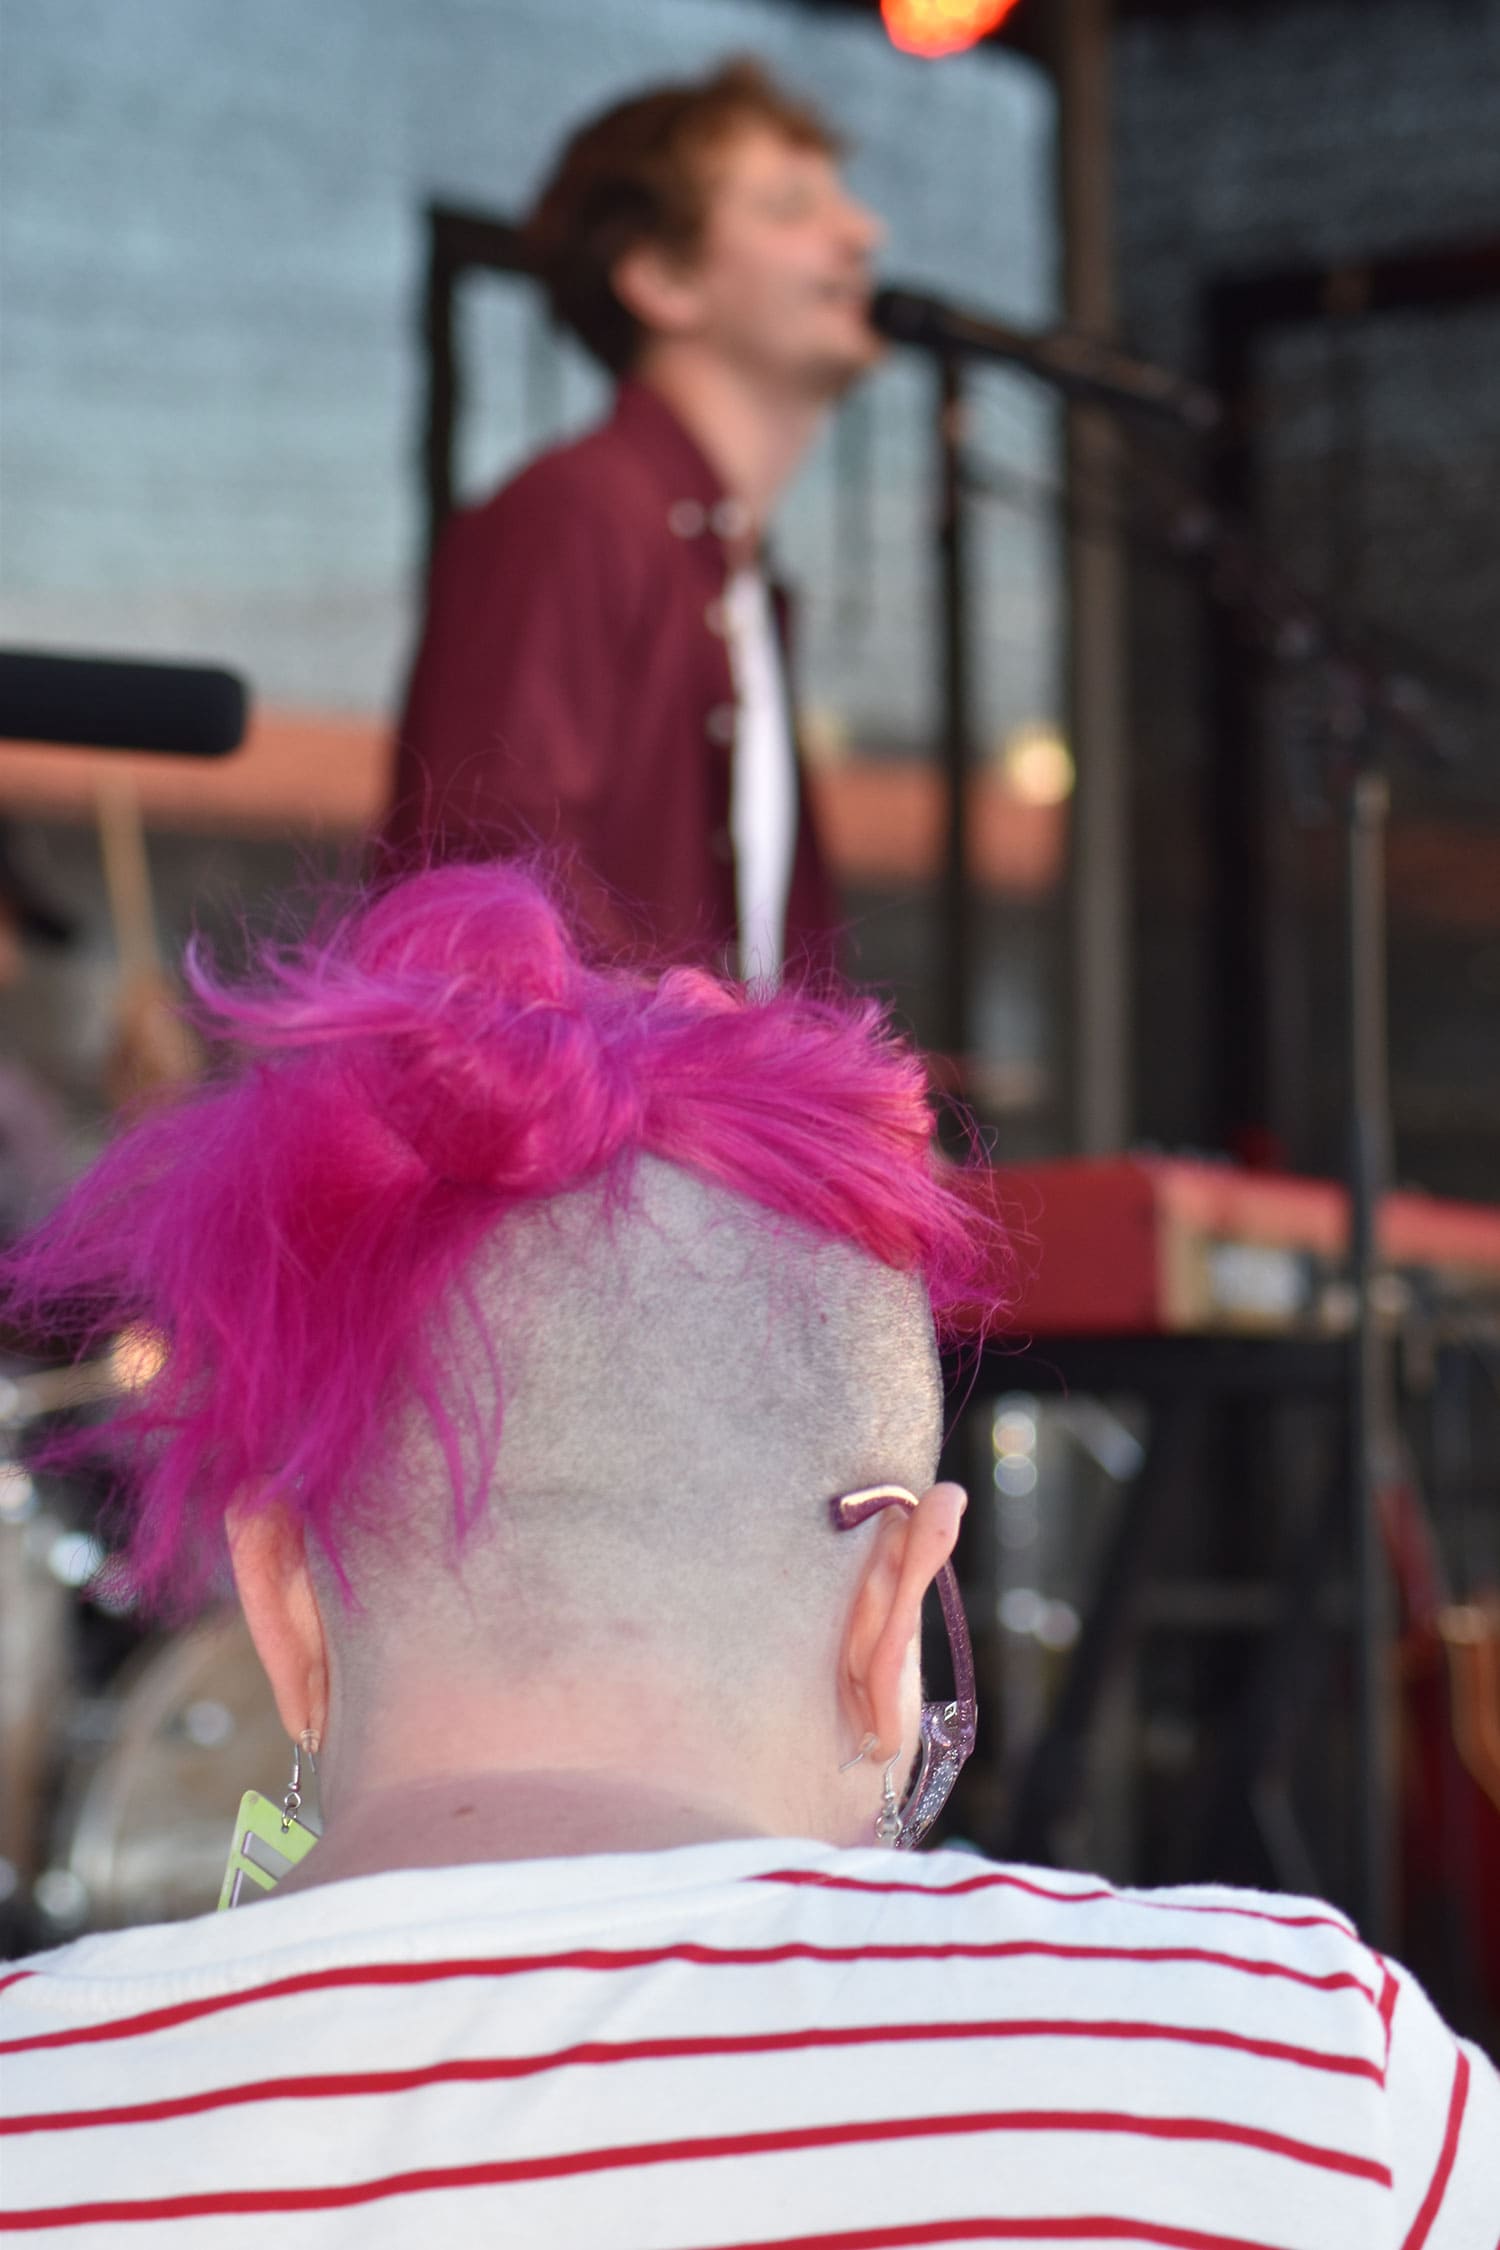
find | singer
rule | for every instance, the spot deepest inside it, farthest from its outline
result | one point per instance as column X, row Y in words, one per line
column 603, row 667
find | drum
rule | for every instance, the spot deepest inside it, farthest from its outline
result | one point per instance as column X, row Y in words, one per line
column 36, row 1671
column 147, row 1810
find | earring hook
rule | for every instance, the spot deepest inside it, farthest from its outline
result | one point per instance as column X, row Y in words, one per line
column 888, row 1819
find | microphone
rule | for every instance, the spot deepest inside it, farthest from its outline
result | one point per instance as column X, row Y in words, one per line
column 111, row 703
column 1082, row 366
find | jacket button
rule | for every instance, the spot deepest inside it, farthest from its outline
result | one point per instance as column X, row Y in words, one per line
column 687, row 518
column 731, row 519
column 719, row 726
column 721, row 844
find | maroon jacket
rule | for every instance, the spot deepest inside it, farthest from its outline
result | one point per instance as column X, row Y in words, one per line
column 573, row 691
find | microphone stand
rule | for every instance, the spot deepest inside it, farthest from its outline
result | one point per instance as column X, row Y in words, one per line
column 952, row 554
column 1371, row 1377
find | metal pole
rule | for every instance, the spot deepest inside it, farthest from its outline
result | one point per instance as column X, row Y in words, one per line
column 957, row 917
column 441, row 405
column 1370, row 1374
column 1100, row 917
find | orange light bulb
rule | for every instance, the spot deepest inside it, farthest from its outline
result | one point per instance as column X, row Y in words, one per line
column 941, row 27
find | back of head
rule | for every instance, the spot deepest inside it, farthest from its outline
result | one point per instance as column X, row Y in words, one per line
column 513, row 1278
column 682, row 1384
column 640, row 173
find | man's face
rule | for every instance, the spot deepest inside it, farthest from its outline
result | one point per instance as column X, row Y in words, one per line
column 780, row 282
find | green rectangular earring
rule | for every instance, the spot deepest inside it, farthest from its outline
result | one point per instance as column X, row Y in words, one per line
column 269, row 1840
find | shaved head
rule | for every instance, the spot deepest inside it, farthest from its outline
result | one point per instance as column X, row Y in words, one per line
column 685, row 1379
column 520, row 1316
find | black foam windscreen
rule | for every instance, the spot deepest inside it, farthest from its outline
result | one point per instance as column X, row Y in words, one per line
column 118, row 703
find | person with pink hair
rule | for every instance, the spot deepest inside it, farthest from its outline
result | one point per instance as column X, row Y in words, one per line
column 548, row 1353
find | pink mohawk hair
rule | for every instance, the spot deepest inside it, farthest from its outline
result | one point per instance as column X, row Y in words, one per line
column 297, row 1230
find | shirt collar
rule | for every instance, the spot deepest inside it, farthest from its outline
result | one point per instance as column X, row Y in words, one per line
column 696, row 498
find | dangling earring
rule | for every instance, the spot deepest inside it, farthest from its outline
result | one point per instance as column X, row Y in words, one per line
column 269, row 1840
column 888, row 1819
column 861, row 1753
column 305, row 1746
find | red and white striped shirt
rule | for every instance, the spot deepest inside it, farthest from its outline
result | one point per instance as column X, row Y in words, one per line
column 742, row 2044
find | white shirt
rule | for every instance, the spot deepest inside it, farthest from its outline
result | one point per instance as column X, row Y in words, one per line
column 741, row 2044
column 763, row 783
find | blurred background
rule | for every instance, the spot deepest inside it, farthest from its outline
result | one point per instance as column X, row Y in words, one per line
column 216, row 245
column 1092, row 851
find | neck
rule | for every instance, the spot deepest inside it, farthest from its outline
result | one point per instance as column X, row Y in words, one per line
column 453, row 1820
column 754, row 439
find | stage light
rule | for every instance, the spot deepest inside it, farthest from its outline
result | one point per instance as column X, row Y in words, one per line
column 1037, row 765
column 137, row 1356
column 941, row 27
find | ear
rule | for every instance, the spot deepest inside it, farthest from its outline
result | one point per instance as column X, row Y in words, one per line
column 881, row 1641
column 658, row 288
column 271, row 1575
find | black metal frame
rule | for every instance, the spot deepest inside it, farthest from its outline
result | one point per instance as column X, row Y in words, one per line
column 1236, row 316
column 1193, row 1386
column 459, row 242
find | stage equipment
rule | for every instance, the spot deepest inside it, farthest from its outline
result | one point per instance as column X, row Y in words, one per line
column 36, row 1672
column 1205, row 1291
column 1370, row 705
column 941, row 27
column 1163, row 1246
column 1086, row 370
column 1081, row 367
column 158, row 1769
column 1449, row 1676
column 109, row 703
